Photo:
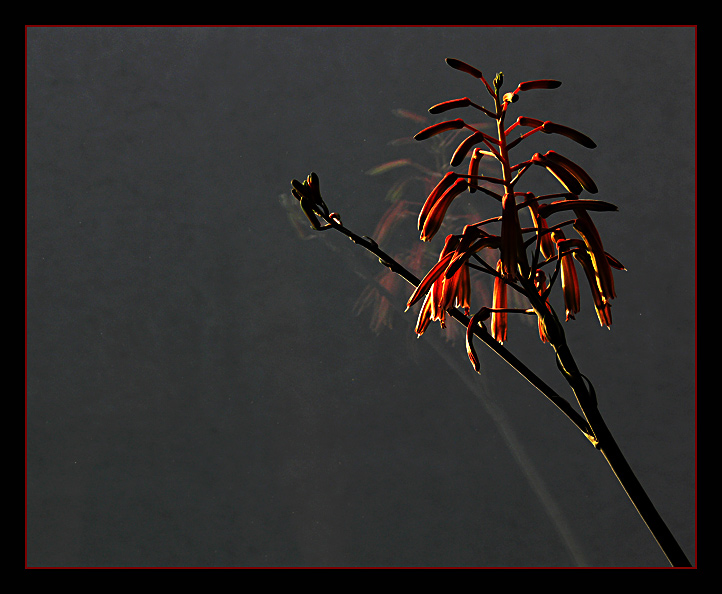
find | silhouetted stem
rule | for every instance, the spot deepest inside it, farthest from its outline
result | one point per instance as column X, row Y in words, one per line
column 616, row 460
column 641, row 501
column 603, row 439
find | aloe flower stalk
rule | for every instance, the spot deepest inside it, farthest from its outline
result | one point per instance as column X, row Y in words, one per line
column 530, row 261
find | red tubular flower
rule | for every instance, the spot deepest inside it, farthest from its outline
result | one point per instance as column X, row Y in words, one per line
column 463, row 149
column 442, row 293
column 477, row 319
column 438, row 191
column 447, row 105
column 601, row 303
column 499, row 319
column 570, row 183
column 422, row 323
column 437, row 212
column 547, row 245
column 471, row 241
column 431, row 277
column 583, row 139
column 538, row 84
column 603, row 271
column 438, row 128
column 464, row 67
column 458, row 289
column 510, row 236
column 452, row 291
column 579, row 174
column 575, row 204
column 570, row 284
column 476, row 156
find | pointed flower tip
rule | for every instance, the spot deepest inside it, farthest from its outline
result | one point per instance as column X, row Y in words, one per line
column 447, row 105
column 529, row 122
column 581, row 176
column 463, row 149
column 435, row 217
column 438, row 128
column 538, row 84
column 476, row 320
column 583, row 139
column 464, row 67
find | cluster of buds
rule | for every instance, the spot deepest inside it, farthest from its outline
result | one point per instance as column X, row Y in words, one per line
column 522, row 253
column 308, row 194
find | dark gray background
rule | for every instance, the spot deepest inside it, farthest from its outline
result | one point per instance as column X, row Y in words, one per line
column 199, row 390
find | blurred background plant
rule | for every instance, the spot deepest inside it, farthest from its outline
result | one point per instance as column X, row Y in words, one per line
column 416, row 175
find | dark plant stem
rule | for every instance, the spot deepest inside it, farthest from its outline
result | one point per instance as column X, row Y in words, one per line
column 606, row 444
column 638, row 496
column 591, row 424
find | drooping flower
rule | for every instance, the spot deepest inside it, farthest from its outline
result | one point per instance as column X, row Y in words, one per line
column 602, row 269
column 540, row 282
column 499, row 319
column 570, row 283
column 438, row 128
column 570, row 183
column 472, row 240
column 442, row 292
column 438, row 207
column 474, row 161
column 510, row 236
column 553, row 128
column 545, row 241
column 601, row 303
column 463, row 149
column 579, row 174
column 476, row 320
column 444, row 184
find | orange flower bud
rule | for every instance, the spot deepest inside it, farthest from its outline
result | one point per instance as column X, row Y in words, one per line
column 570, row 284
column 438, row 210
column 598, row 257
column 538, row 84
column 464, row 67
column 438, row 128
column 476, row 156
column 601, row 304
column 581, row 176
column 583, row 139
column 563, row 175
column 462, row 150
column 477, row 319
column 447, row 105
column 433, row 197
